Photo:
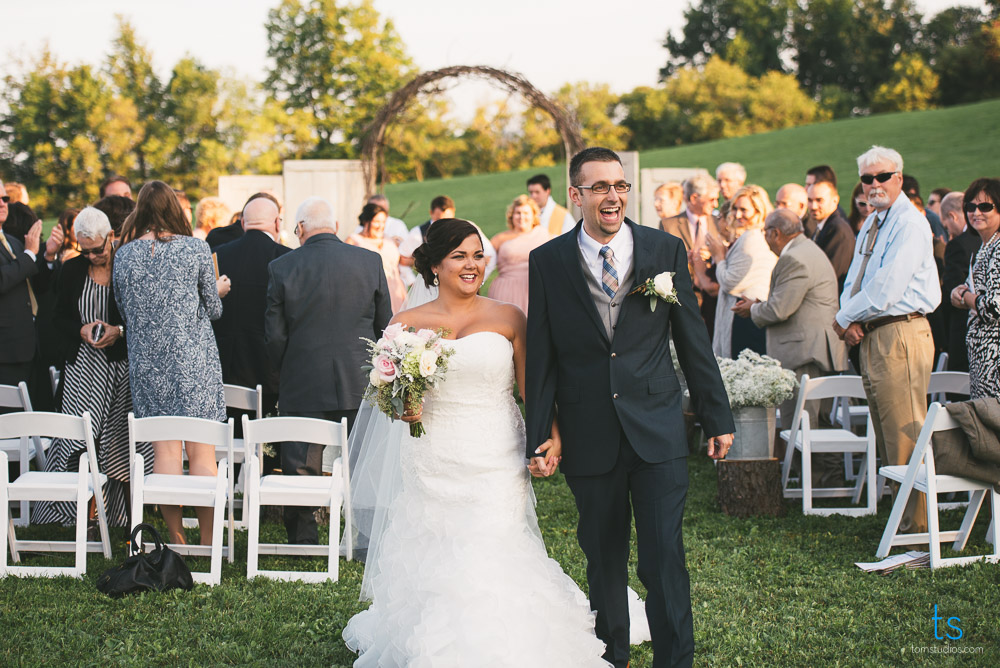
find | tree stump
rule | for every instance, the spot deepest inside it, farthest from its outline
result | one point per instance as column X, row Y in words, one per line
column 749, row 487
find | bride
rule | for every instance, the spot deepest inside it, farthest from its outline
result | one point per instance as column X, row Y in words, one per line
column 456, row 568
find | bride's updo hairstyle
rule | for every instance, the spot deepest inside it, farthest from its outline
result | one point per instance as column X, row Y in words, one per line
column 443, row 237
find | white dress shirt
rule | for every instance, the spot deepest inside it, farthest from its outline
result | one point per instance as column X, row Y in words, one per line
column 621, row 245
column 901, row 276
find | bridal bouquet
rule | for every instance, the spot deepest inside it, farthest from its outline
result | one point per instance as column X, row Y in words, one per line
column 405, row 363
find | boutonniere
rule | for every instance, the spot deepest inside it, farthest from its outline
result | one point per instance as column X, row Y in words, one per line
column 660, row 286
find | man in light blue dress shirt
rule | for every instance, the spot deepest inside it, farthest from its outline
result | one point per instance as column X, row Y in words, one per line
column 891, row 286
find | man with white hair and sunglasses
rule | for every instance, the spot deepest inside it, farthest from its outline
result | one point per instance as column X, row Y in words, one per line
column 891, row 286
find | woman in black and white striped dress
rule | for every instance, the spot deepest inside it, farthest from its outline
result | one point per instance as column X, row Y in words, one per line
column 95, row 375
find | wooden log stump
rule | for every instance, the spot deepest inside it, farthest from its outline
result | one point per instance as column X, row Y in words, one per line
column 749, row 487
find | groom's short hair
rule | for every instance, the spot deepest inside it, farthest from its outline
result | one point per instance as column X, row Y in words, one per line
column 592, row 154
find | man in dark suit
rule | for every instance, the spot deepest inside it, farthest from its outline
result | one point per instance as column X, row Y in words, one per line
column 239, row 333
column 832, row 231
column 321, row 299
column 22, row 274
column 965, row 242
column 599, row 360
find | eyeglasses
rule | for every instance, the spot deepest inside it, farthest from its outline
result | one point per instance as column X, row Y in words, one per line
column 601, row 188
column 5, row 199
column 92, row 251
column 984, row 207
column 868, row 179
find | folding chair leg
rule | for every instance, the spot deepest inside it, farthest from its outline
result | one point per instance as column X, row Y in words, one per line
column 975, row 503
column 138, row 478
column 933, row 529
column 215, row 570
column 251, row 511
column 333, row 558
column 895, row 517
column 5, row 514
column 82, row 506
column 860, row 481
column 872, row 481
column 807, row 486
column 786, row 466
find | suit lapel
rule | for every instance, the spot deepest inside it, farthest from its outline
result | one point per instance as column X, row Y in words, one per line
column 570, row 254
column 640, row 273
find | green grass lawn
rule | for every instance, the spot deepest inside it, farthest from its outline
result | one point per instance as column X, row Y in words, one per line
column 941, row 147
column 766, row 592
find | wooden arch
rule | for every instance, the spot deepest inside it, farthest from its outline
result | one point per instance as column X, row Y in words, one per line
column 371, row 148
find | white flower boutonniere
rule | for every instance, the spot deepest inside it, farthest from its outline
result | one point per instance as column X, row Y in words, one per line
column 660, row 286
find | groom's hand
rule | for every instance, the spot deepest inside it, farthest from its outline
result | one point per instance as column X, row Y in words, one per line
column 718, row 446
column 545, row 465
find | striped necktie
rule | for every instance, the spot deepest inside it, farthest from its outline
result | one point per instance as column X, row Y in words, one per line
column 609, row 276
column 31, row 292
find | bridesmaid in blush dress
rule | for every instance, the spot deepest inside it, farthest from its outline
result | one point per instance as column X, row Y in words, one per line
column 524, row 233
column 372, row 237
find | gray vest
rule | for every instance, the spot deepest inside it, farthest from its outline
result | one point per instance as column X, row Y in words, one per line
column 609, row 309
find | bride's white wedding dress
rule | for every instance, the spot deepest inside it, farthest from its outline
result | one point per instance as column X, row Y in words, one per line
column 461, row 576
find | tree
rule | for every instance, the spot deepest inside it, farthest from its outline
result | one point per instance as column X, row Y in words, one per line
column 965, row 55
column 338, row 62
column 851, row 45
column 913, row 86
column 715, row 101
column 597, row 109
column 748, row 33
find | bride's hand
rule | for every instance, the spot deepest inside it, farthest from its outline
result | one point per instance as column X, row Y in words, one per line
column 413, row 416
column 550, row 454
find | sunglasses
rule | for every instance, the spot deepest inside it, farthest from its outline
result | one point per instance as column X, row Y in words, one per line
column 93, row 251
column 984, row 207
column 868, row 179
column 5, row 199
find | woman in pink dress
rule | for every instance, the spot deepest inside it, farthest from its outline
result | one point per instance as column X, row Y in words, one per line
column 372, row 237
column 524, row 233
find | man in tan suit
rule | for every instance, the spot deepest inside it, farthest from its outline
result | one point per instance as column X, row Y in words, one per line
column 701, row 197
column 803, row 298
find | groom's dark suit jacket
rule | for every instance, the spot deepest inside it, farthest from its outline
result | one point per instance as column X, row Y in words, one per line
column 603, row 387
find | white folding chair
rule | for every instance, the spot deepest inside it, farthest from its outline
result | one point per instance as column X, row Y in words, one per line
column 79, row 486
column 332, row 491
column 920, row 475
column 19, row 450
column 808, row 440
column 185, row 490
column 942, row 362
column 943, row 383
column 245, row 399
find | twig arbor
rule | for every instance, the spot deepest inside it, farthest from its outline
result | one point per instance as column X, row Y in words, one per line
column 427, row 82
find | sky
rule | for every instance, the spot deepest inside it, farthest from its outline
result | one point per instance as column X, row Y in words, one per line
column 551, row 42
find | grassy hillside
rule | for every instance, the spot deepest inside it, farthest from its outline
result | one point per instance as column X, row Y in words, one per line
column 941, row 147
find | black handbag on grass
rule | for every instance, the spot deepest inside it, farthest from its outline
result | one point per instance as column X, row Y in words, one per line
column 158, row 570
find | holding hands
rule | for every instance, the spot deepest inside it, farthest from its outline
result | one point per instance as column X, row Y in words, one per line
column 549, row 455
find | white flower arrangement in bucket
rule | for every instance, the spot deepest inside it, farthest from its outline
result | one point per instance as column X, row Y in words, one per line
column 756, row 385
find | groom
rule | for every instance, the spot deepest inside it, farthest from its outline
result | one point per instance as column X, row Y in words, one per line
column 599, row 364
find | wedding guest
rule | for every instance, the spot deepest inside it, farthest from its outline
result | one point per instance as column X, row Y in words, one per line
column 831, row 231
column 958, row 254
column 803, row 294
column 693, row 226
column 20, row 218
column 233, row 231
column 321, row 298
column 239, row 332
column 524, row 234
column 912, row 188
column 210, row 213
column 982, row 293
column 890, row 288
column 731, row 176
column 859, row 209
column 372, row 237
column 395, row 229
column 555, row 218
column 793, row 197
column 743, row 271
column 167, row 293
column 668, row 200
column 934, row 202
column 94, row 363
column 22, row 274
column 185, row 203
column 116, row 184
column 116, row 208
column 821, row 174
column 68, row 249
column 17, row 193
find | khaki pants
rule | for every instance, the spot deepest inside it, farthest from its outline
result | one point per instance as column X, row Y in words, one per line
column 896, row 363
